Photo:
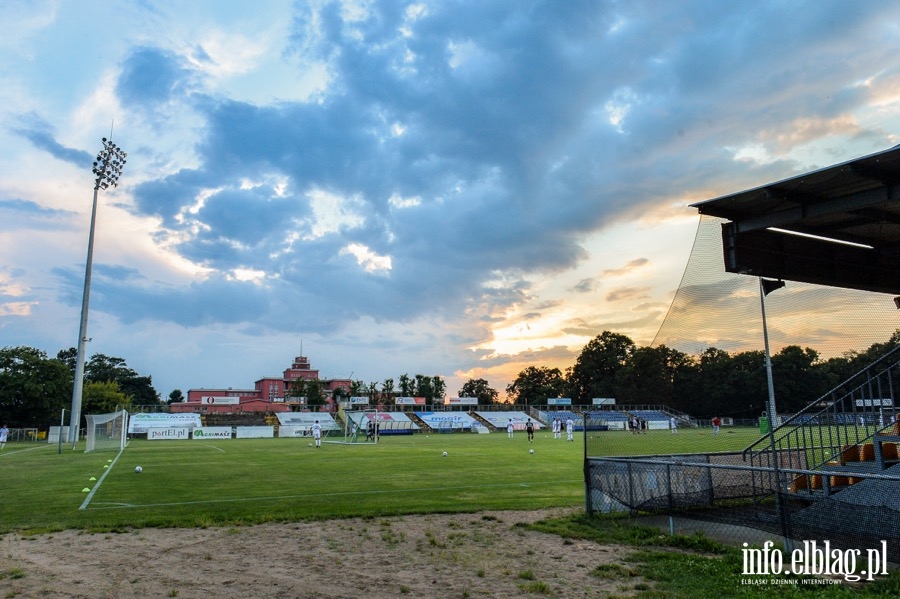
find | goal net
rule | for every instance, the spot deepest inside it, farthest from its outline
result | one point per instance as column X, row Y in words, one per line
column 360, row 426
column 106, row 431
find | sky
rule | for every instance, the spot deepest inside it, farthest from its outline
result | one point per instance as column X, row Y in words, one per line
column 452, row 188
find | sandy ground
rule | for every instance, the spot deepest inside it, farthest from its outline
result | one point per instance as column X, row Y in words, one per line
column 469, row 555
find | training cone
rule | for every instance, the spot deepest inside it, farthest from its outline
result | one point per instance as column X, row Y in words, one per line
column 85, row 490
column 93, row 478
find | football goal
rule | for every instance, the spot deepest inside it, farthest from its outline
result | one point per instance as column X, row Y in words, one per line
column 106, row 431
column 360, row 426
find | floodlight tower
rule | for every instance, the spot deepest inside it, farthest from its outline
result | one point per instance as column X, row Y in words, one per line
column 766, row 287
column 107, row 169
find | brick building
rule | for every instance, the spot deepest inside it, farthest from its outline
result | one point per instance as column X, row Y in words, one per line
column 269, row 394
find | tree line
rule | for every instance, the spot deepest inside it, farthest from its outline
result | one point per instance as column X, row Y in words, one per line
column 713, row 383
column 430, row 387
column 34, row 388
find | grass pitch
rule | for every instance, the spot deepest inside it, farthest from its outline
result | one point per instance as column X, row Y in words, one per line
column 247, row 481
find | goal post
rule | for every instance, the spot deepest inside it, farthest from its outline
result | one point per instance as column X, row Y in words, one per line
column 106, row 431
column 356, row 426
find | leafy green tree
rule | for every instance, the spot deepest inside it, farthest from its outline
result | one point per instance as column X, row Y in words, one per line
column 357, row 388
column 33, row 389
column 795, row 379
column 648, row 376
column 479, row 388
column 339, row 393
column 176, row 396
column 749, row 386
column 296, row 388
column 439, row 387
column 387, row 389
column 103, row 398
column 594, row 372
column 315, row 394
column 425, row 387
column 407, row 387
column 535, row 384
column 102, row 368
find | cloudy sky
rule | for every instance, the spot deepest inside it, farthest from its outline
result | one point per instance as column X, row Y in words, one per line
column 454, row 188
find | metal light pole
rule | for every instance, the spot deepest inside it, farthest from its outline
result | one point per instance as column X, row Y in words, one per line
column 107, row 168
column 765, row 288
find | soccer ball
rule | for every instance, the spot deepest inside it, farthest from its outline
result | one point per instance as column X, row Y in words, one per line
column 530, row 451
column 310, row 444
column 138, row 469
column 445, row 454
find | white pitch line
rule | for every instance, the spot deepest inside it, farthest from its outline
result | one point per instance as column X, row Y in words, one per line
column 90, row 495
column 15, row 451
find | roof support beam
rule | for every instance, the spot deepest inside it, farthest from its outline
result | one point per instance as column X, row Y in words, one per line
column 777, row 255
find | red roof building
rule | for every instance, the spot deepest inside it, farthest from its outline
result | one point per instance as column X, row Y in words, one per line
column 270, row 394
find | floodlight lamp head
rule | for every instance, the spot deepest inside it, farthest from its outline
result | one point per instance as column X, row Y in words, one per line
column 769, row 286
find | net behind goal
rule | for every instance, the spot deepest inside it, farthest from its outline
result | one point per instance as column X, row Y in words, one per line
column 106, row 431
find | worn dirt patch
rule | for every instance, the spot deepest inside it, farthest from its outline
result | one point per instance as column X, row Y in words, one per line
column 458, row 555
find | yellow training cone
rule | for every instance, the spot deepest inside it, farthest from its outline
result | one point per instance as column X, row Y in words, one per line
column 93, row 478
column 85, row 490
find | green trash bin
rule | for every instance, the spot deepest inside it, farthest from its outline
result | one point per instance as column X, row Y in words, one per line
column 763, row 424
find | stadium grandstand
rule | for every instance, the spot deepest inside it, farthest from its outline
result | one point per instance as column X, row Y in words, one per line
column 831, row 471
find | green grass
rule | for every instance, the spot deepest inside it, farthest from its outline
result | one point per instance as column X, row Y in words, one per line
column 243, row 481
column 657, row 442
column 692, row 567
column 247, row 481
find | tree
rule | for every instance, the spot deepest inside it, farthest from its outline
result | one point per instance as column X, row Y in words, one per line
column 535, row 384
column 407, row 387
column 339, row 393
column 794, row 378
column 648, row 376
column 176, row 396
column 425, row 388
column 33, row 389
column 594, row 372
column 439, row 387
column 357, row 388
column 103, row 398
column 102, row 368
column 296, row 388
column 387, row 389
column 479, row 388
column 315, row 395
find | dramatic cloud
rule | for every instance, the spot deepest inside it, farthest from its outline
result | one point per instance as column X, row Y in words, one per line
column 472, row 185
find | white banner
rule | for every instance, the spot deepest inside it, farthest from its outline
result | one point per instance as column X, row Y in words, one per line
column 212, row 432
column 359, row 401
column 142, row 422
column 220, row 401
column 603, row 401
column 410, row 401
column 157, row 434
column 559, row 401
column 254, row 432
column 461, row 401
column 286, row 432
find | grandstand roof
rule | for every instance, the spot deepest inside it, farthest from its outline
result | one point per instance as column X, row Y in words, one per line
column 851, row 209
